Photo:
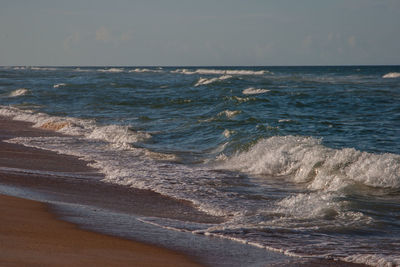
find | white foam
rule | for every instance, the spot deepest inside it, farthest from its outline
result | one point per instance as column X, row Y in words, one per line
column 254, row 91
column 118, row 135
column 306, row 160
column 220, row 72
column 59, row 85
column 43, row 68
column 374, row 260
column 141, row 70
column 391, row 75
column 19, row 92
column 229, row 113
column 205, row 81
column 113, row 70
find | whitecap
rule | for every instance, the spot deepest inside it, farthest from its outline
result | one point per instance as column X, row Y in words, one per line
column 391, row 75
column 254, row 91
column 205, row 81
column 306, row 160
column 220, row 72
column 59, row 85
column 19, row 92
column 113, row 70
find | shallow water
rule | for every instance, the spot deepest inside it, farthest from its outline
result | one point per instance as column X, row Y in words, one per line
column 302, row 160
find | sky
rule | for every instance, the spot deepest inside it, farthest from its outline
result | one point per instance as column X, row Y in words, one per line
column 199, row 33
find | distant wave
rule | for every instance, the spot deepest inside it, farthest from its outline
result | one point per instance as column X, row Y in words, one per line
column 43, row 68
column 59, row 85
column 116, row 70
column 254, row 91
column 141, row 70
column 220, row 72
column 307, row 160
column 19, row 92
column 391, row 75
column 205, row 81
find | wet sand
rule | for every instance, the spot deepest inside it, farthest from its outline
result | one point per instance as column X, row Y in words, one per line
column 31, row 235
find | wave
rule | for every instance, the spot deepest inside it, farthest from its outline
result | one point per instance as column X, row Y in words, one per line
column 229, row 113
column 306, row 160
column 254, row 91
column 391, row 75
column 19, row 92
column 220, row 72
column 139, row 70
column 117, row 135
column 373, row 259
column 59, row 85
column 205, row 81
column 112, row 70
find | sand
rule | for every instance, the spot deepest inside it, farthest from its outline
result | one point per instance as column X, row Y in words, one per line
column 31, row 235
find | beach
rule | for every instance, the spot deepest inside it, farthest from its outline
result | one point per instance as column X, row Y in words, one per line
column 229, row 166
column 31, row 234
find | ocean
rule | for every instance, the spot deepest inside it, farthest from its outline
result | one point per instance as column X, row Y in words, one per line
column 300, row 160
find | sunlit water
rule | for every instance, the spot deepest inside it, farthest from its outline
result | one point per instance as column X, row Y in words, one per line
column 302, row 160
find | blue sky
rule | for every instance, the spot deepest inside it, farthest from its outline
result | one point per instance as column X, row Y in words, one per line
column 206, row 32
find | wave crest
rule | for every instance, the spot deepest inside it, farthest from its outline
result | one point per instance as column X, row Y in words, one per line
column 205, row 81
column 220, row 72
column 19, row 92
column 391, row 75
column 254, row 91
column 115, row 70
column 306, row 160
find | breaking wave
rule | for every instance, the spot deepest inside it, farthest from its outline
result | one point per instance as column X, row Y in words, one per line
column 117, row 135
column 391, row 75
column 306, row 160
column 59, row 85
column 114, row 70
column 205, row 81
column 254, row 91
column 139, row 70
column 220, row 72
column 19, row 92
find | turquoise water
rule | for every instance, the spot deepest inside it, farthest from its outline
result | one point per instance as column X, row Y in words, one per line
column 304, row 160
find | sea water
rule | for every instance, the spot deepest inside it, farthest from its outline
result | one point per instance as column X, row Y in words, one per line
column 300, row 160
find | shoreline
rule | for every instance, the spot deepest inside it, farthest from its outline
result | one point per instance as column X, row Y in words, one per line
column 73, row 193
column 31, row 235
column 32, row 232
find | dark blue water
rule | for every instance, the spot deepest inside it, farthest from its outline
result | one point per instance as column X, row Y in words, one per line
column 300, row 159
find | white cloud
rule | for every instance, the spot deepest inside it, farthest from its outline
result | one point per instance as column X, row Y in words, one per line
column 103, row 34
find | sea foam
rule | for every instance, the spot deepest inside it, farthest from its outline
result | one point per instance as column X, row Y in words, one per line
column 19, row 92
column 205, row 81
column 306, row 160
column 391, row 75
column 220, row 72
column 59, row 85
column 254, row 91
column 113, row 70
